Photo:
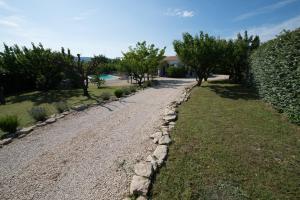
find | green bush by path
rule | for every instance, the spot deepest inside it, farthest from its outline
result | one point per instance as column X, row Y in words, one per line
column 38, row 113
column 105, row 96
column 119, row 93
column 133, row 89
column 126, row 90
column 275, row 69
column 20, row 104
column 230, row 145
column 61, row 106
column 9, row 123
column 176, row 72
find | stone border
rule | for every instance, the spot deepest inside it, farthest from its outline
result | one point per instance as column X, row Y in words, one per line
column 23, row 132
column 145, row 170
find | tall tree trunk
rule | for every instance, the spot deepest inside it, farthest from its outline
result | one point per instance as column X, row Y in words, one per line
column 83, row 76
column 199, row 82
column 85, row 87
column 2, row 98
column 200, row 76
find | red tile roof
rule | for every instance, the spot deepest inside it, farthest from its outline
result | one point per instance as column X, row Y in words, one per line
column 171, row 58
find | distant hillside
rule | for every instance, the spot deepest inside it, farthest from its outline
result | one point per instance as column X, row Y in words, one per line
column 86, row 59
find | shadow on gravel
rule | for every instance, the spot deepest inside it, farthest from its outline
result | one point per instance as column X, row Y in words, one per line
column 171, row 83
column 108, row 108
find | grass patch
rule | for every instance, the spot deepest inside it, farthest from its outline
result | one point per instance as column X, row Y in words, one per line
column 228, row 144
column 20, row 104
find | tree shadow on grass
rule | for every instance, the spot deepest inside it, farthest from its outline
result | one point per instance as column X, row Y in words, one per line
column 226, row 89
column 46, row 97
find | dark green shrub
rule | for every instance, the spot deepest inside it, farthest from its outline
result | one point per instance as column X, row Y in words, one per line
column 147, row 84
column 9, row 123
column 61, row 106
column 133, row 89
column 176, row 72
column 275, row 72
column 118, row 93
column 38, row 113
column 105, row 96
column 126, row 90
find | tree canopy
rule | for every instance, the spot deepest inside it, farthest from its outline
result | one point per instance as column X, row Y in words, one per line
column 204, row 54
column 142, row 60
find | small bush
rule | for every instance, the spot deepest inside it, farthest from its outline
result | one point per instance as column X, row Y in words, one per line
column 133, row 89
column 105, row 96
column 126, row 91
column 176, row 72
column 38, row 113
column 61, row 106
column 9, row 123
column 147, row 84
column 118, row 93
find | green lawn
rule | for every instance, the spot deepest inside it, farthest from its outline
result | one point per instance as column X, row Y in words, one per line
column 20, row 104
column 230, row 145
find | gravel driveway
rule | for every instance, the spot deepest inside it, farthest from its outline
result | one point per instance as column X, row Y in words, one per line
column 86, row 155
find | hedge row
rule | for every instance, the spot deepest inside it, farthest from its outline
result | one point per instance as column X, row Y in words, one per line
column 275, row 68
column 176, row 72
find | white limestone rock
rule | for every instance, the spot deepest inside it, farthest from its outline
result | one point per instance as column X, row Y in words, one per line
column 50, row 120
column 26, row 130
column 153, row 162
column 6, row 141
column 170, row 118
column 156, row 135
column 143, row 169
column 165, row 140
column 160, row 154
column 141, row 198
column 139, row 185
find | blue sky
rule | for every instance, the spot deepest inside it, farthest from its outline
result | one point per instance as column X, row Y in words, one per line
column 109, row 26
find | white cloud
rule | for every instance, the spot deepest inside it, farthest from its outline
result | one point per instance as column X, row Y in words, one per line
column 180, row 13
column 270, row 31
column 12, row 21
column 6, row 6
column 263, row 10
column 84, row 15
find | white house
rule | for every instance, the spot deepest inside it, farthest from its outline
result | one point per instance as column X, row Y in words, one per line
column 170, row 61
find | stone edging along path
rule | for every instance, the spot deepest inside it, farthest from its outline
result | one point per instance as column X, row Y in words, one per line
column 22, row 132
column 145, row 170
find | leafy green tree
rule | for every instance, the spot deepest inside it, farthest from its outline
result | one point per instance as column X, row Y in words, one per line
column 243, row 46
column 142, row 60
column 199, row 53
column 36, row 68
column 83, row 70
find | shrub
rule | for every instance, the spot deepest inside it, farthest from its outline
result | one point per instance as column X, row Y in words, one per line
column 126, row 90
column 105, row 96
column 9, row 123
column 147, row 84
column 275, row 73
column 61, row 106
column 118, row 93
column 176, row 72
column 38, row 113
column 133, row 89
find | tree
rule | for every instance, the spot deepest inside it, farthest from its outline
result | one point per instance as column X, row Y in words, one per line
column 142, row 60
column 83, row 69
column 243, row 46
column 199, row 53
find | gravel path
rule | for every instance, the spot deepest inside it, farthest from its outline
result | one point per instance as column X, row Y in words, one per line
column 87, row 155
